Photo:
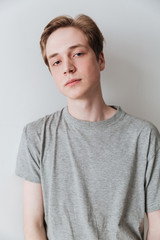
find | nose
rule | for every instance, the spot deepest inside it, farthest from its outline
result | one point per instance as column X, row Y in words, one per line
column 69, row 67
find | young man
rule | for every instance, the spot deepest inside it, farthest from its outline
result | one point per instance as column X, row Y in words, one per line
column 91, row 170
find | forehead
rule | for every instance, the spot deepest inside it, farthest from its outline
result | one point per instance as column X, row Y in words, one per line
column 63, row 38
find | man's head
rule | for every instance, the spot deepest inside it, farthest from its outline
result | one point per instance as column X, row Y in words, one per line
column 73, row 54
column 82, row 22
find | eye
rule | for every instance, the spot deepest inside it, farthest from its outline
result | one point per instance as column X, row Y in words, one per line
column 78, row 54
column 56, row 63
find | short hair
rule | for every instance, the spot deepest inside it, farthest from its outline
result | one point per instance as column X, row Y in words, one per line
column 81, row 22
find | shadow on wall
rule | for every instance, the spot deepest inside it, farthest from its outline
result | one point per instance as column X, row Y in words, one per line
column 126, row 82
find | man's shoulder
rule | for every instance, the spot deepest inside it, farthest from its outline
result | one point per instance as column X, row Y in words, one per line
column 37, row 126
column 141, row 124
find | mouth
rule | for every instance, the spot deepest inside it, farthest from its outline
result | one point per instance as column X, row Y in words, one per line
column 72, row 82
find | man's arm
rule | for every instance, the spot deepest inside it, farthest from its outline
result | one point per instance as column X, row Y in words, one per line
column 33, row 211
column 153, row 225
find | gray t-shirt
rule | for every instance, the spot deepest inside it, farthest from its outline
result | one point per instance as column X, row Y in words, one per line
column 98, row 178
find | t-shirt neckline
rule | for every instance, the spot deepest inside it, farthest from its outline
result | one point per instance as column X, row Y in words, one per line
column 75, row 122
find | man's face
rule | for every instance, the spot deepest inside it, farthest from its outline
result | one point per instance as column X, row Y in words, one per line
column 71, row 58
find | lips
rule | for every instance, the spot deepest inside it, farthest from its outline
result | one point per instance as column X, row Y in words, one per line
column 72, row 80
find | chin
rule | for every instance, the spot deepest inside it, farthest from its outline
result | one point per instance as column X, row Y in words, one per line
column 76, row 94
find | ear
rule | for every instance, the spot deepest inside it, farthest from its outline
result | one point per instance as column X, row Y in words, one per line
column 101, row 61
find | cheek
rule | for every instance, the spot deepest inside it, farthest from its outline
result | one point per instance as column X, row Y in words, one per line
column 55, row 75
column 92, row 68
column 56, row 79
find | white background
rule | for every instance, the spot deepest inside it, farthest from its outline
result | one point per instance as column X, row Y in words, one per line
column 131, row 78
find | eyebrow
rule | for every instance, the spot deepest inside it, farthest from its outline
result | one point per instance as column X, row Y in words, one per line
column 71, row 47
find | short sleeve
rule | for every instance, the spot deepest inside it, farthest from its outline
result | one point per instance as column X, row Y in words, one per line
column 28, row 157
column 152, row 181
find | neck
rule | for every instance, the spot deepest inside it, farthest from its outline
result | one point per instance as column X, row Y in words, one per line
column 91, row 109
